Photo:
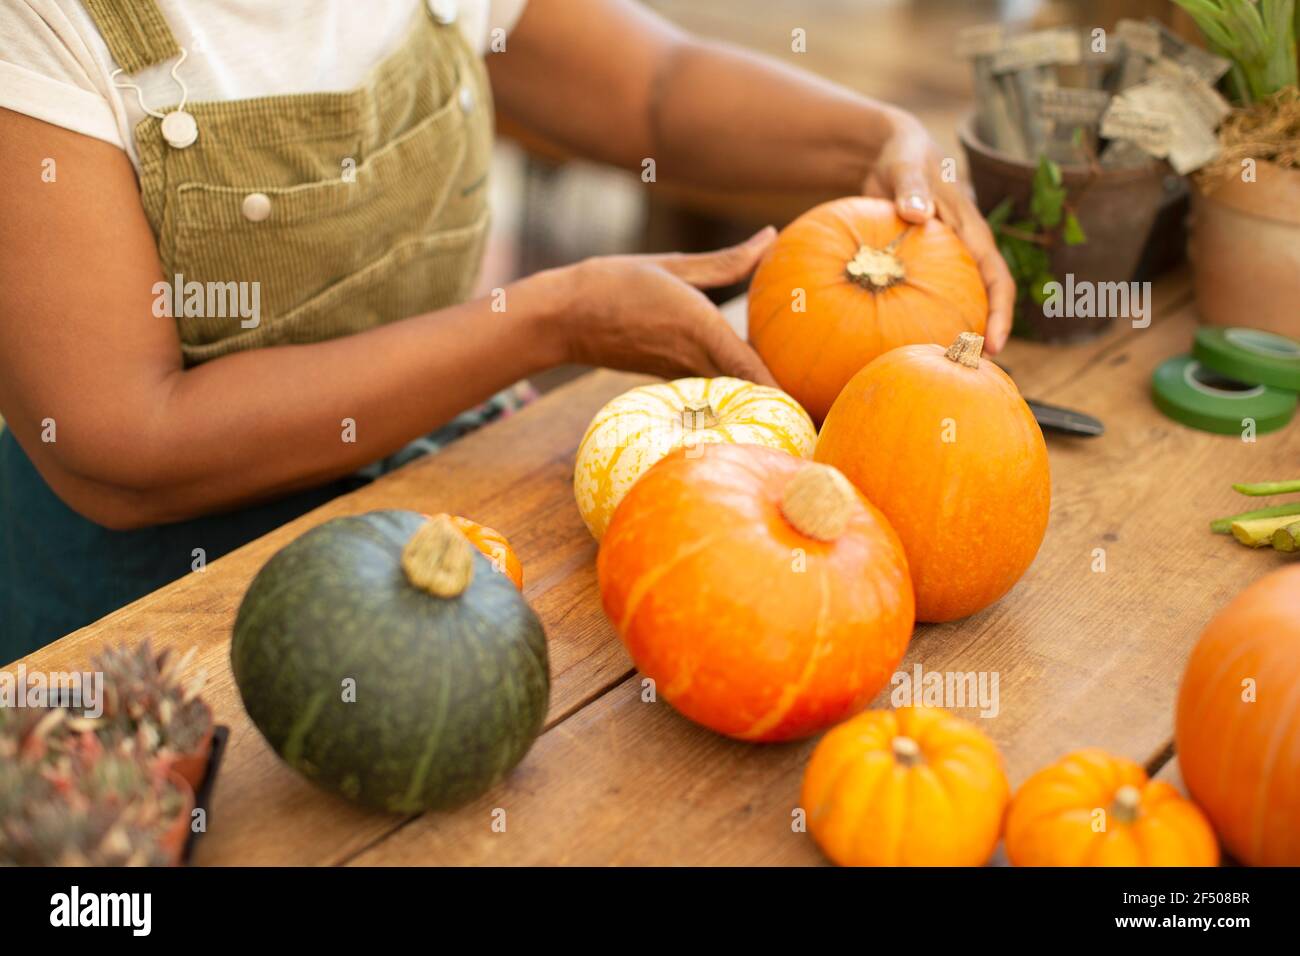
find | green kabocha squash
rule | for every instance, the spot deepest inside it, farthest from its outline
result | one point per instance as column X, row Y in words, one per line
column 382, row 657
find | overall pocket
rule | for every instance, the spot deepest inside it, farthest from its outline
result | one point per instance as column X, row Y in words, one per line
column 315, row 235
column 416, row 275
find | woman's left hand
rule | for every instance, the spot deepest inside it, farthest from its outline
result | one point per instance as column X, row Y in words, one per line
column 908, row 171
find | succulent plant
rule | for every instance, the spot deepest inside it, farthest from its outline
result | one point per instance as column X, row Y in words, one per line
column 77, row 790
column 87, row 805
column 146, row 699
column 29, row 732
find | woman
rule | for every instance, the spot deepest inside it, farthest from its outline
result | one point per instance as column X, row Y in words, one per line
column 238, row 240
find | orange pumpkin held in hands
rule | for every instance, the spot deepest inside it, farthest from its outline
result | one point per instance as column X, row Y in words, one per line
column 765, row 597
column 909, row 787
column 1238, row 727
column 848, row 281
column 1093, row 809
column 944, row 445
column 493, row 545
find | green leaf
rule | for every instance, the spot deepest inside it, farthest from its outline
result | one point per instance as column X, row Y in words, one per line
column 1036, row 286
column 1072, row 234
column 1048, row 197
column 1000, row 213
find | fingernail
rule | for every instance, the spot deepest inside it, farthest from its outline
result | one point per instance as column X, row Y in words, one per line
column 916, row 203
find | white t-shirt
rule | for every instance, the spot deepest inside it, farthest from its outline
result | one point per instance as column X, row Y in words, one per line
column 55, row 66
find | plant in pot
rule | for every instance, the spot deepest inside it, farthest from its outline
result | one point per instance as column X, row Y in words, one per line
column 1066, row 203
column 1245, row 228
column 79, row 804
column 147, row 700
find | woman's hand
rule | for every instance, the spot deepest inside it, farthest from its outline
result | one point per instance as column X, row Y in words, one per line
column 646, row 313
column 907, row 171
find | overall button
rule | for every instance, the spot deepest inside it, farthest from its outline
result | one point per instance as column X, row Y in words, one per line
column 179, row 129
column 467, row 99
column 256, row 207
column 444, row 11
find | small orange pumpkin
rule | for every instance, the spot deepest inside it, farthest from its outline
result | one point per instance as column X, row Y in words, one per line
column 848, row 281
column 944, row 445
column 1095, row 809
column 491, row 544
column 765, row 596
column 1238, row 724
column 915, row 786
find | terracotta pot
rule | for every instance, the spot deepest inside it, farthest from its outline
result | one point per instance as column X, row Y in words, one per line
column 173, row 838
column 1245, row 251
column 193, row 766
column 1115, row 207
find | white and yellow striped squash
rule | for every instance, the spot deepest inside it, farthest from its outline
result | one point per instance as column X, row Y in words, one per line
column 636, row 429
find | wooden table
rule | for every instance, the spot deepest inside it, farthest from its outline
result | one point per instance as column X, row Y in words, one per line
column 1083, row 657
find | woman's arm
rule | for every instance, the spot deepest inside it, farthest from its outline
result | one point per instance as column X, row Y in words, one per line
column 140, row 440
column 614, row 81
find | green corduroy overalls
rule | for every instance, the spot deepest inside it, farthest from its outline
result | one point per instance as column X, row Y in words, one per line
column 348, row 209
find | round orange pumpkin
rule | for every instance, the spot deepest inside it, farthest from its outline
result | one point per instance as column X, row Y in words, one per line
column 765, row 597
column 909, row 787
column 1238, row 724
column 1095, row 809
column 944, row 445
column 848, row 281
column 491, row 544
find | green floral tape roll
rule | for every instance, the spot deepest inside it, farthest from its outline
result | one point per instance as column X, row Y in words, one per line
column 1250, row 356
column 1201, row 398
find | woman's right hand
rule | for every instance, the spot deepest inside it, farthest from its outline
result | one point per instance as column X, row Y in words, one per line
column 645, row 313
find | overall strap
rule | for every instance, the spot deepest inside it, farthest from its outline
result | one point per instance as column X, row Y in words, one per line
column 135, row 31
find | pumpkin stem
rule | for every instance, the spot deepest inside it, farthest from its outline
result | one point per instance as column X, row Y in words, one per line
column 1125, row 807
column 439, row 558
column 818, row 502
column 876, row 269
column 966, row 350
column 906, row 751
column 698, row 414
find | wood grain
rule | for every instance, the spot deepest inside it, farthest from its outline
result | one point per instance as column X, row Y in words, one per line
column 515, row 476
column 1081, row 657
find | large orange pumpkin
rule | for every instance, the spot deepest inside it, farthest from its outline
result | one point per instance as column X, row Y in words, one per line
column 909, row 787
column 492, row 544
column 765, row 597
column 1238, row 723
column 1094, row 809
column 849, row 280
column 944, row 445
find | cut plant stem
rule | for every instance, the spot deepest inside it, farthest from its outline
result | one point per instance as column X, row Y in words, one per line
column 819, row 502
column 438, row 558
column 1127, row 800
column 1287, row 538
column 966, row 350
column 906, row 751
column 1258, row 532
column 1261, row 488
column 1224, row 525
column 698, row 414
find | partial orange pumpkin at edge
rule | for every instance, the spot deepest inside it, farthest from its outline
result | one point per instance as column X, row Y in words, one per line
column 492, row 544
